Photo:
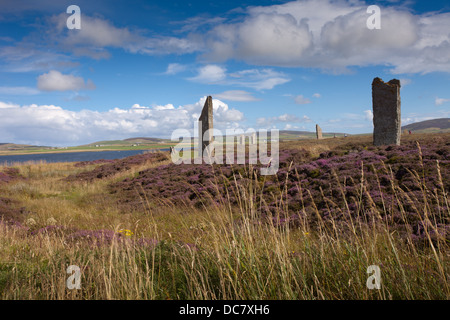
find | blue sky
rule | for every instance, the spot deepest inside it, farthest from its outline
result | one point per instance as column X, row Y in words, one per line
column 143, row 68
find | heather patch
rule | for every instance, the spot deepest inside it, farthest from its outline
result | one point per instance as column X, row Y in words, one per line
column 9, row 174
column 356, row 182
column 116, row 166
column 93, row 162
column 10, row 211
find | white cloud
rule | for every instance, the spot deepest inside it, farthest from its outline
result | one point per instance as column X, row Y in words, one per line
column 97, row 34
column 326, row 34
column 174, row 68
column 166, row 107
column 405, row 81
column 440, row 101
column 350, row 120
column 210, row 73
column 18, row 91
column 54, row 125
column 316, row 95
column 236, row 95
column 289, row 126
column 415, row 117
column 258, row 79
column 56, row 81
column 284, row 118
column 25, row 57
column 368, row 115
column 271, row 38
column 223, row 115
column 301, row 100
column 333, row 35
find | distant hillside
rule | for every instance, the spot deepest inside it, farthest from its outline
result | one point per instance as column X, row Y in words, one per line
column 127, row 142
column 14, row 146
column 142, row 139
column 435, row 125
column 295, row 135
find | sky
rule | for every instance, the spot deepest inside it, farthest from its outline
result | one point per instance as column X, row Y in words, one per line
column 144, row 68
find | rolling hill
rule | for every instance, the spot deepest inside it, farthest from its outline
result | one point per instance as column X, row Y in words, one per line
column 434, row 125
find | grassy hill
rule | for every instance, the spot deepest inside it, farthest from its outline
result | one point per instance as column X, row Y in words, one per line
column 298, row 135
column 435, row 125
column 18, row 147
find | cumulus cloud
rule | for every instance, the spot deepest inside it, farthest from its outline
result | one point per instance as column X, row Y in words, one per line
column 264, row 39
column 54, row 125
column 333, row 35
column 56, row 81
column 326, row 34
column 210, row 74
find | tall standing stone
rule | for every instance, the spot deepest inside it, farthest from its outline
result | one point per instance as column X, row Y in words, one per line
column 318, row 132
column 386, row 112
column 205, row 124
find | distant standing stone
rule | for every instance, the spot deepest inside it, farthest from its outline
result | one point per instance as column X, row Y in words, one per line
column 318, row 132
column 205, row 124
column 386, row 112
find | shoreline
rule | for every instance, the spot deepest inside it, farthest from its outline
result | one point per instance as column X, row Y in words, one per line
column 20, row 153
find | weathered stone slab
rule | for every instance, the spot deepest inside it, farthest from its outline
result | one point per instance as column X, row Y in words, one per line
column 205, row 126
column 386, row 112
column 318, row 132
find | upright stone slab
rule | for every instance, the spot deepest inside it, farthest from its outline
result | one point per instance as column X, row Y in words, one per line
column 205, row 123
column 318, row 132
column 386, row 112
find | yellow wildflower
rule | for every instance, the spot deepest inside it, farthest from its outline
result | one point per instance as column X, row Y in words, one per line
column 126, row 232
